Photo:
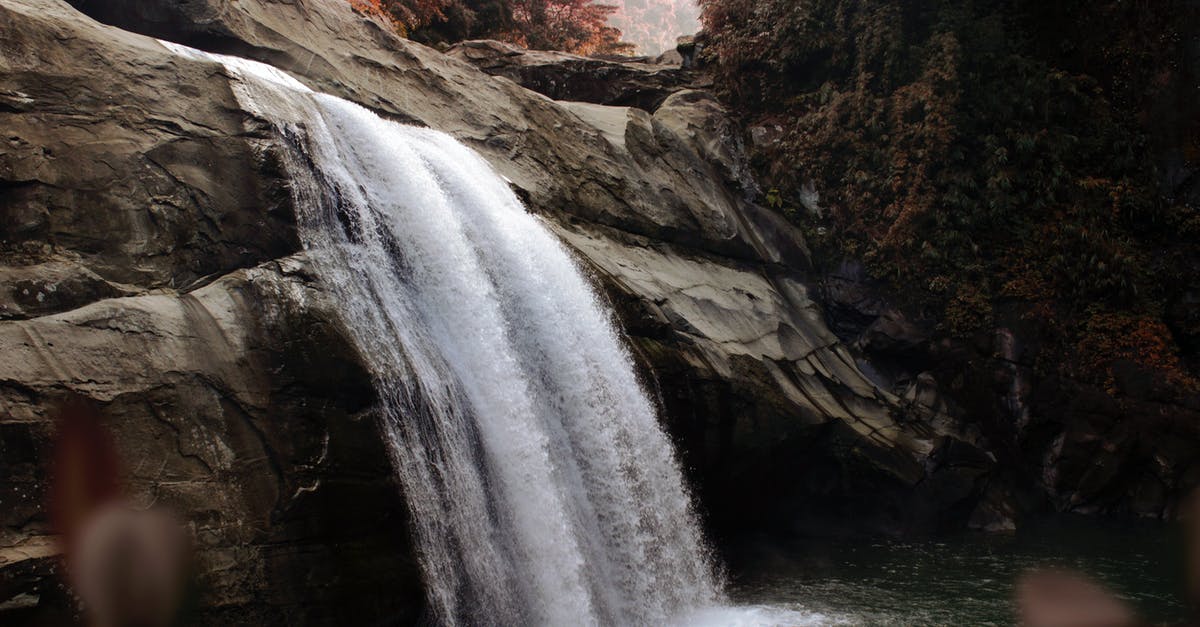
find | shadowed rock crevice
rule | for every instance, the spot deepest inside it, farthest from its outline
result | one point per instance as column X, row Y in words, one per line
column 561, row 76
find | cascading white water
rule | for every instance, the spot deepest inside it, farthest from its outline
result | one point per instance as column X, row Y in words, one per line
column 542, row 488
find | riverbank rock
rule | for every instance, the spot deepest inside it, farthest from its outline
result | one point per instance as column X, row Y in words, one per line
column 148, row 217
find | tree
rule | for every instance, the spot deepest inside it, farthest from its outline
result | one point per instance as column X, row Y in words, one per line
column 405, row 15
column 571, row 25
column 988, row 152
column 578, row 26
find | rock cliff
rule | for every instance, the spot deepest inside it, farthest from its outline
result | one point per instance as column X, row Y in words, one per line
column 150, row 262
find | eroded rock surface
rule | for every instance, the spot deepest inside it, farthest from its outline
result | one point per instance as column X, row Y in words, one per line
column 151, row 214
column 147, row 263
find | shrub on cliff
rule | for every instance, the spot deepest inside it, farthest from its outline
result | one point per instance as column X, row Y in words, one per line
column 1013, row 151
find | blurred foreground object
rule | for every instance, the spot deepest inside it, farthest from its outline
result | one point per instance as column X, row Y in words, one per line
column 128, row 566
column 1191, row 536
column 1052, row 598
column 85, row 474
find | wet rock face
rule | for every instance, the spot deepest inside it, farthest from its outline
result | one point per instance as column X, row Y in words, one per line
column 1060, row 445
column 780, row 430
column 1132, row 457
column 240, row 407
column 150, row 261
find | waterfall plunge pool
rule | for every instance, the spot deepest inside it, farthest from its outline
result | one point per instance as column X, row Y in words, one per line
column 965, row 579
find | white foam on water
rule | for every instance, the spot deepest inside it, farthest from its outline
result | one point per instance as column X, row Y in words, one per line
column 757, row 616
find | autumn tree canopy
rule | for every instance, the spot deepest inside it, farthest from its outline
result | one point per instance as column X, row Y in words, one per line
column 578, row 26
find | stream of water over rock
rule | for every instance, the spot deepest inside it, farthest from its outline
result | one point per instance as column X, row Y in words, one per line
column 542, row 488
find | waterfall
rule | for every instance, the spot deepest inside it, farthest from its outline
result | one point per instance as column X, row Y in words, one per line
column 541, row 486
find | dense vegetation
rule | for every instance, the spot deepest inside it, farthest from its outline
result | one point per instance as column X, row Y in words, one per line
column 578, row 26
column 990, row 159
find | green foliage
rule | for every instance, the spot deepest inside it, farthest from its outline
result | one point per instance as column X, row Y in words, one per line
column 968, row 311
column 1143, row 340
column 954, row 141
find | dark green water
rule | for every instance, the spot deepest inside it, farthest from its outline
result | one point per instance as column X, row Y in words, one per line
column 965, row 580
